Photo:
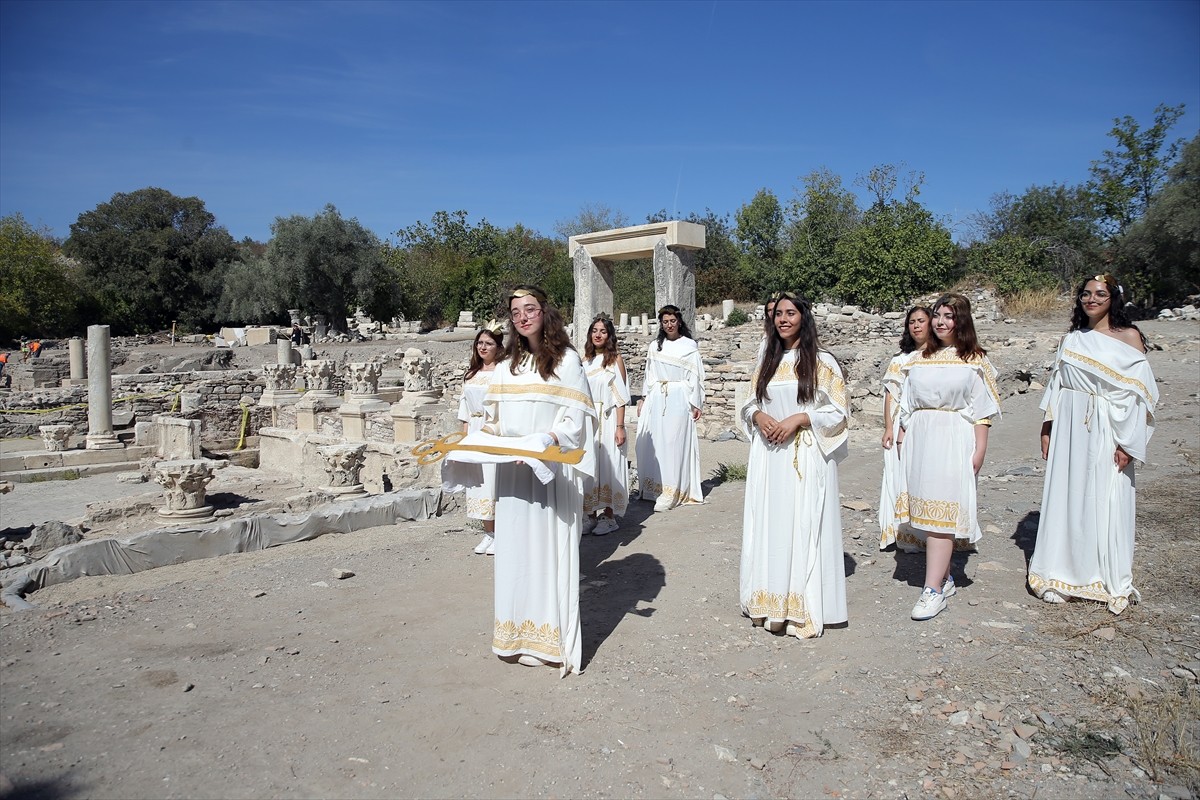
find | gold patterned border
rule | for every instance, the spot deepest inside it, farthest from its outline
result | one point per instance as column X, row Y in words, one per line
column 777, row 606
column 1112, row 373
column 565, row 392
column 545, row 639
column 1093, row 591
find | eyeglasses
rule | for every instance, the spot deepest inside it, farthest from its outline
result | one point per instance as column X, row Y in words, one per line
column 529, row 312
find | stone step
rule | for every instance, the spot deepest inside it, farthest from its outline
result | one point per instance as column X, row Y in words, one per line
column 15, row 463
column 61, row 473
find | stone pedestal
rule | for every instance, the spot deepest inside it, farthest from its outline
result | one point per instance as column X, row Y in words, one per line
column 343, row 465
column 100, row 434
column 466, row 321
column 56, row 437
column 185, row 484
column 294, row 317
column 624, row 321
column 413, row 415
column 280, row 385
column 308, row 409
column 727, row 307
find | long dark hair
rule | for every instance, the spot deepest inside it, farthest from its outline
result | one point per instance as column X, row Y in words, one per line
column 907, row 342
column 555, row 342
column 476, row 361
column 966, row 342
column 684, row 330
column 1118, row 318
column 769, row 318
column 611, row 353
column 806, row 352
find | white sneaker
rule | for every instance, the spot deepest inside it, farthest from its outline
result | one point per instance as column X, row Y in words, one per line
column 663, row 503
column 605, row 525
column 1053, row 597
column 948, row 588
column 491, row 548
column 930, row 604
column 484, row 544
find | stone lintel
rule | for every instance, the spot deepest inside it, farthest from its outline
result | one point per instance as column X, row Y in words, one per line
column 638, row 241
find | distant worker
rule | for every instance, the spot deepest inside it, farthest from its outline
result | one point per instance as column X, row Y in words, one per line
column 35, row 348
column 24, row 349
column 297, row 334
column 3, row 364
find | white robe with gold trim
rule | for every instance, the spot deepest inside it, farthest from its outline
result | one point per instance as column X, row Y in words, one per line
column 481, row 500
column 792, row 566
column 538, row 526
column 610, row 487
column 668, row 448
column 892, row 485
column 942, row 398
column 1101, row 394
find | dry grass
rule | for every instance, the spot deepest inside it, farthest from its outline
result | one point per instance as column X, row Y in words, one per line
column 1168, row 735
column 1038, row 304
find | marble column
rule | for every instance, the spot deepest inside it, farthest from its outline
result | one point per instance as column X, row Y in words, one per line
column 283, row 352
column 675, row 280
column 78, row 361
column 100, row 434
column 593, row 292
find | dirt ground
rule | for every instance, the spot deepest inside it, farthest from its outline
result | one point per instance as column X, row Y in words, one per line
column 262, row 675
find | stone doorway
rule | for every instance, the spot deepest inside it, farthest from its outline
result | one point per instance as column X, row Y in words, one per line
column 671, row 245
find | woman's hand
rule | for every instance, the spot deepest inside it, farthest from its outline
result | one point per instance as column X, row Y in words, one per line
column 887, row 439
column 620, row 435
column 1046, row 440
column 640, row 404
column 765, row 423
column 1121, row 458
column 786, row 429
column 977, row 461
column 695, row 414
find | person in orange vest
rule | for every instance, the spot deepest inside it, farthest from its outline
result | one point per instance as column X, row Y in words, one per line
column 35, row 348
column 3, row 364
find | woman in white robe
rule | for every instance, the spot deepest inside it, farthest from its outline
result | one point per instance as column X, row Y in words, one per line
column 948, row 398
column 668, row 447
column 486, row 351
column 1099, row 407
column 609, row 490
column 542, row 390
column 916, row 334
column 793, row 575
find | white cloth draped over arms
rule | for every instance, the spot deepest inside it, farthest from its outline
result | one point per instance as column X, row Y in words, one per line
column 892, row 485
column 667, row 445
column 792, row 565
column 1101, row 395
column 943, row 398
column 538, row 525
column 610, row 487
column 481, row 499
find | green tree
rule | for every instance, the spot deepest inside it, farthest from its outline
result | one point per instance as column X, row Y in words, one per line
column 1052, row 233
column 898, row 251
column 327, row 264
column 822, row 214
column 1160, row 254
column 149, row 256
column 759, row 232
column 592, row 217
column 40, row 290
column 1126, row 178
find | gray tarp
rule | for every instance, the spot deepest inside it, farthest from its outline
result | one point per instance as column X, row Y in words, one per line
column 175, row 545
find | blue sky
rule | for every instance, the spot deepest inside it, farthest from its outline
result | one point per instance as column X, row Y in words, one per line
column 524, row 112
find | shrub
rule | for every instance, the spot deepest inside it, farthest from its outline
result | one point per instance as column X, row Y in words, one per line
column 736, row 317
